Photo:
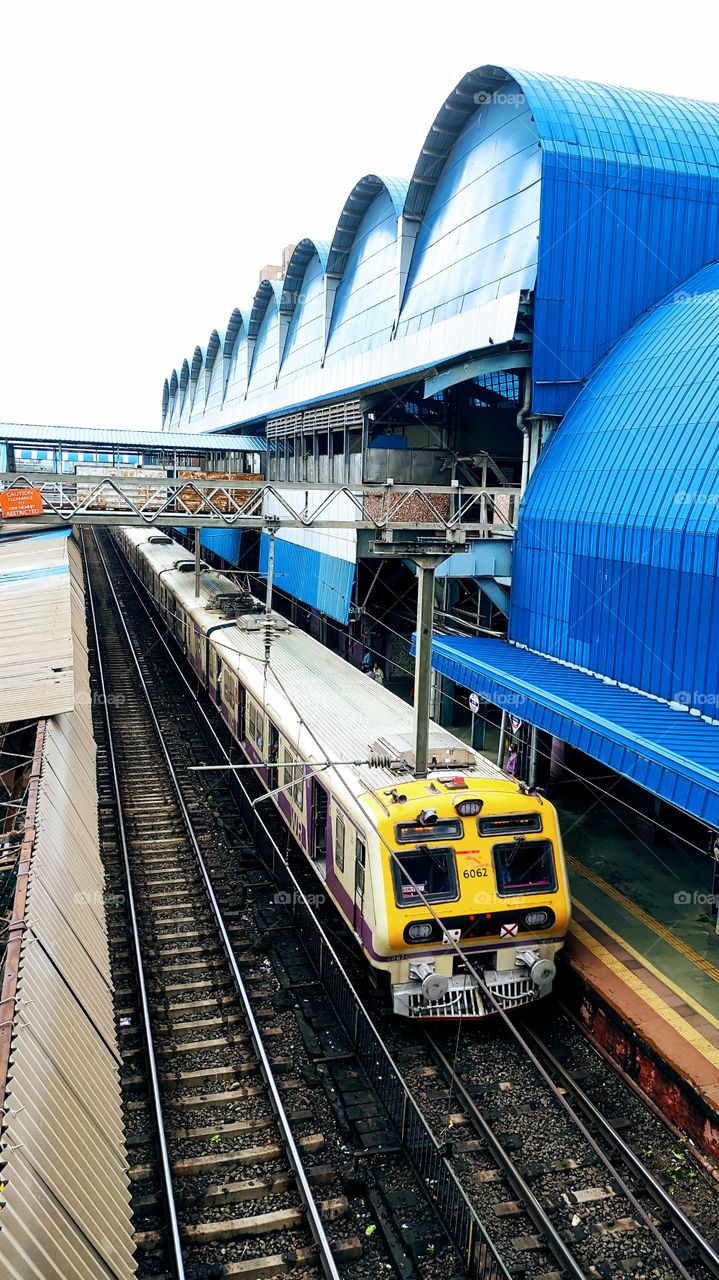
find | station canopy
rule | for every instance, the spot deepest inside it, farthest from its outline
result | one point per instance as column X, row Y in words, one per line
column 669, row 750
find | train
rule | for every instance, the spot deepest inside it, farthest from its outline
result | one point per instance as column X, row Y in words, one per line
column 439, row 878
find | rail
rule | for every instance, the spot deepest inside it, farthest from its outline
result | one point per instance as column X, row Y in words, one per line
column 319, row 1235
column 456, row 512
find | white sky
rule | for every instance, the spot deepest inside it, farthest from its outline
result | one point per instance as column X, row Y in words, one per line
column 157, row 154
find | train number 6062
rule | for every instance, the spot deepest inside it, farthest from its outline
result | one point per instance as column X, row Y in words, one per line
column 474, row 872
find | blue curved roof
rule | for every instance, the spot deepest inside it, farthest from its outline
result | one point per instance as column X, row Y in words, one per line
column 596, row 200
column 629, row 208
column 616, row 565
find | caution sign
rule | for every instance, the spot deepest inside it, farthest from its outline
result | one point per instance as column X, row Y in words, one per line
column 20, row 502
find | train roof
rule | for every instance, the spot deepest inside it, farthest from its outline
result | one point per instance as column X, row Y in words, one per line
column 349, row 716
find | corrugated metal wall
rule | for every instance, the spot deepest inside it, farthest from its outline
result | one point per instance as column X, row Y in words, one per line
column 616, row 563
column 66, row 1193
column 629, row 208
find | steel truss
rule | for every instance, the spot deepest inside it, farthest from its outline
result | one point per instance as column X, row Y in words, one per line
column 454, row 512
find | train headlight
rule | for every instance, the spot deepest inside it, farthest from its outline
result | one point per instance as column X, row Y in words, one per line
column 540, row 919
column 419, row 930
column 469, row 808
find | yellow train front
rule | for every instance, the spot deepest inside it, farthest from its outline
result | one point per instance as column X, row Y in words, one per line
column 474, row 878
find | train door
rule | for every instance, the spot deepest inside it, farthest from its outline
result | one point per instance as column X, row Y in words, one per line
column 273, row 755
column 320, row 818
column 360, row 860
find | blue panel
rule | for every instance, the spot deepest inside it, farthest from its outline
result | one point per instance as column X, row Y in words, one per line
column 616, row 561
column 224, row 542
column 478, row 238
column 304, row 347
column 266, row 353
column 671, row 753
column 322, row 581
column 630, row 200
column 237, row 376
column 365, row 301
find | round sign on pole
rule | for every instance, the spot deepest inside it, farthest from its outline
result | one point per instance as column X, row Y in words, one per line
column 473, row 703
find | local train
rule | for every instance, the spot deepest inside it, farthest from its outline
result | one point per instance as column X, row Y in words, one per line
column 464, row 865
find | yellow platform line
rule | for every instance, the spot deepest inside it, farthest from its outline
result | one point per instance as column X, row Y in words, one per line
column 650, row 998
column 699, row 961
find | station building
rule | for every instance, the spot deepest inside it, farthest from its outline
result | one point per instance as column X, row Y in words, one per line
column 536, row 311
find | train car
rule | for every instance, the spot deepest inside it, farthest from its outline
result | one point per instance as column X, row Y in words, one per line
column 462, row 868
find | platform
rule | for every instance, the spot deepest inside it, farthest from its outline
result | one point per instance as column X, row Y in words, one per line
column 649, row 996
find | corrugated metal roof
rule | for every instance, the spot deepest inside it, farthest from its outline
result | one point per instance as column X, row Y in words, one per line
column 127, row 439
column 616, row 561
column 36, row 673
column 67, row 1202
column 612, row 176
column 672, row 753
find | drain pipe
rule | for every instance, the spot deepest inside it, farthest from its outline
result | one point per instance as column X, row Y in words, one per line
column 524, row 428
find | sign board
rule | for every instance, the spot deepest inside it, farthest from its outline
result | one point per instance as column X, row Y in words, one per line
column 516, row 723
column 473, row 703
column 20, row 502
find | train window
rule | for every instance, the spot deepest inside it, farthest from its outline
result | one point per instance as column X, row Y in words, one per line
column 432, row 871
column 442, row 829
column 340, row 842
column 509, row 824
column 360, row 859
column 524, row 866
column 298, row 790
column 255, row 723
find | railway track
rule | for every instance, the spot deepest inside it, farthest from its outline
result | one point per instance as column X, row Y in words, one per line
column 552, row 1207
column 241, row 1177
column 561, row 1198
column 407, row 1212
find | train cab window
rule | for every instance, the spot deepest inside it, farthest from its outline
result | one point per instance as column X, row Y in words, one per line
column 432, row 871
column 339, row 842
column 442, row 829
column 524, row 866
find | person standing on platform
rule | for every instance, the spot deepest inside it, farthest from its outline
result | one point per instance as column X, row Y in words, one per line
column 378, row 674
column 512, row 761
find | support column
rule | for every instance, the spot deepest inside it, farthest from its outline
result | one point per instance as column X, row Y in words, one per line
column 502, row 740
column 197, row 563
column 556, row 762
column 423, row 665
column 533, row 756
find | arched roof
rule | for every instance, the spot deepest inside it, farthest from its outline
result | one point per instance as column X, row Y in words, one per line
column 165, row 398
column 266, row 291
column 578, row 118
column 198, row 359
column 240, row 319
column 619, row 532
column 353, row 211
column 184, row 376
column 174, row 382
column 214, row 346
column 296, row 268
